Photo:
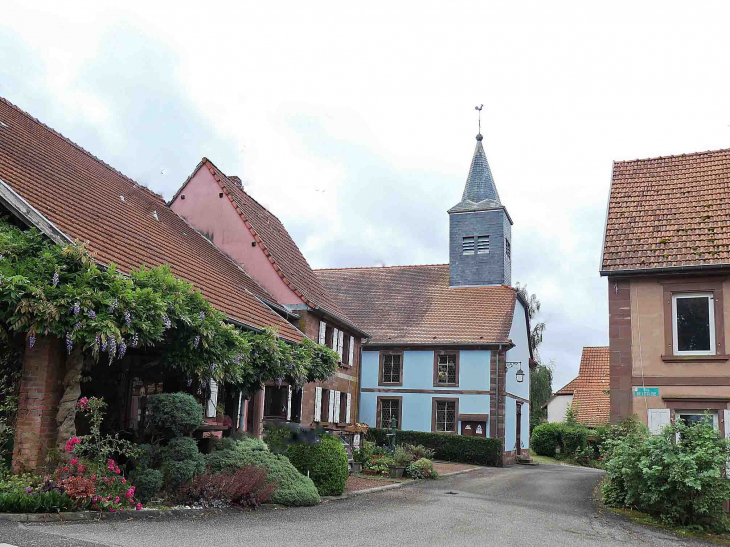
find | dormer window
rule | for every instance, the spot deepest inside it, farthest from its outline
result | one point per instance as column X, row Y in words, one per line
column 482, row 245
column 467, row 245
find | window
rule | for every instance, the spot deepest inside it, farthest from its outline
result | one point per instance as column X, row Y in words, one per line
column 346, row 350
column 391, row 369
column 467, row 245
column 692, row 417
column 508, row 249
column 389, row 411
column 446, row 369
column 482, row 245
column 693, row 324
column 445, row 415
column 276, row 401
column 329, row 335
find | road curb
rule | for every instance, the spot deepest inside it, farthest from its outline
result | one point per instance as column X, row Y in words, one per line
column 459, row 472
column 380, row 488
column 121, row 515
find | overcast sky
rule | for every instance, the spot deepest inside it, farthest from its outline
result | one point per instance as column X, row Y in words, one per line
column 355, row 123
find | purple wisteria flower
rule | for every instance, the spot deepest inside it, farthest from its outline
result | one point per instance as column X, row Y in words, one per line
column 54, row 280
column 97, row 339
column 122, row 349
column 27, row 488
column 92, row 314
column 212, row 368
column 196, row 341
column 166, row 321
column 202, row 315
column 135, row 340
column 128, row 318
column 31, row 340
column 69, row 343
column 237, row 359
column 77, row 326
column 105, row 345
column 113, row 305
column 77, row 308
column 112, row 349
column 278, row 382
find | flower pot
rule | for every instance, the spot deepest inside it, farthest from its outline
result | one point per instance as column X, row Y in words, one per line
column 395, row 472
column 356, row 467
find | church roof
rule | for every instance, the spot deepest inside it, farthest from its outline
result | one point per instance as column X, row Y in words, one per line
column 416, row 305
column 480, row 192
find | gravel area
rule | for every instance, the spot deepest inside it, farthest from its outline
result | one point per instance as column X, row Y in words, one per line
column 361, row 483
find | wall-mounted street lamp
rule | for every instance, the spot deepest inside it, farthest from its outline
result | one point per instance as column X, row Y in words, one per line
column 519, row 375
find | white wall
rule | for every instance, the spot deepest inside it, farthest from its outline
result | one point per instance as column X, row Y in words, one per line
column 558, row 407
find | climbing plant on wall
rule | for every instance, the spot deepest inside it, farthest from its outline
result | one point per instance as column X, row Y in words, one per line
column 60, row 290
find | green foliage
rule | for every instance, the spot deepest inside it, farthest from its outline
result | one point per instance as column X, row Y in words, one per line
column 148, row 483
column 365, row 453
column 541, row 389
column 48, row 289
column 402, row 457
column 292, row 488
column 174, row 414
column 545, row 439
column 419, row 451
column 180, row 449
column 277, row 438
column 18, row 483
column 677, row 475
column 11, row 366
column 35, row 502
column 574, row 439
column 324, row 462
column 422, row 469
column 455, row 448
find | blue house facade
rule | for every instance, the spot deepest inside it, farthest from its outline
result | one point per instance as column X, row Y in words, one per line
column 449, row 349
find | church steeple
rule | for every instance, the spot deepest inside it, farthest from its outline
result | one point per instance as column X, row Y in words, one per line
column 480, row 230
column 480, row 192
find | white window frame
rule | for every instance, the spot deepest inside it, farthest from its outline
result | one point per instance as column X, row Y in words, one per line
column 322, row 332
column 675, row 339
column 350, row 360
column 340, row 343
column 714, row 413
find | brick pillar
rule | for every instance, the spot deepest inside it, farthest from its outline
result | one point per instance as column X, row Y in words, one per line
column 497, row 400
column 620, row 358
column 41, row 388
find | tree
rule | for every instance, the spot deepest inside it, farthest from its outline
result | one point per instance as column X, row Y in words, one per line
column 541, row 377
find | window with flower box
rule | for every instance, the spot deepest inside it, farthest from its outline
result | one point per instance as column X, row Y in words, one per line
column 446, row 369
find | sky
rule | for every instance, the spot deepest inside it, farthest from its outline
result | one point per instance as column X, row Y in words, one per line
column 354, row 123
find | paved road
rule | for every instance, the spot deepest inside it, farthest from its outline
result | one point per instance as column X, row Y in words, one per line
column 548, row 506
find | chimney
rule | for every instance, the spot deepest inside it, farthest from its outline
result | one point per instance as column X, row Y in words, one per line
column 236, row 180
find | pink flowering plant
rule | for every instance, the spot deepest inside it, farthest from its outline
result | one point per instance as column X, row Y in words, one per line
column 102, row 490
column 97, row 447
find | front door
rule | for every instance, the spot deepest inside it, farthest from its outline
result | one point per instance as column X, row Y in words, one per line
column 518, row 441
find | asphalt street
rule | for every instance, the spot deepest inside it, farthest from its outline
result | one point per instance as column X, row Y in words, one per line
column 548, row 505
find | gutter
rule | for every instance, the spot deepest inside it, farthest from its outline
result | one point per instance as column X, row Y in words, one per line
column 667, row 270
column 486, row 345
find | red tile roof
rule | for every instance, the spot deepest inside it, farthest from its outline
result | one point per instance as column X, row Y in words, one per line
column 82, row 196
column 669, row 212
column 275, row 241
column 415, row 305
column 591, row 399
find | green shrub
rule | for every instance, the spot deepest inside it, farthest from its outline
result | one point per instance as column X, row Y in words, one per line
column 422, row 469
column 278, row 438
column 292, row 487
column 365, row 453
column 178, row 473
column 402, row 458
column 36, row 502
column 174, row 414
column 147, row 483
column 147, row 457
column 324, row 462
column 180, row 449
column 677, row 475
column 17, row 484
column 544, row 441
column 455, row 448
column 574, row 439
column 419, row 451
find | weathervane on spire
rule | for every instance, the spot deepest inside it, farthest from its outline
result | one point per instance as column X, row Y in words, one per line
column 479, row 109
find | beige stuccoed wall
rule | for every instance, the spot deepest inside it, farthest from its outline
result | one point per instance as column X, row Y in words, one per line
column 647, row 326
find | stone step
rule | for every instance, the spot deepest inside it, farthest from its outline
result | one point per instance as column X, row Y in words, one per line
column 527, row 461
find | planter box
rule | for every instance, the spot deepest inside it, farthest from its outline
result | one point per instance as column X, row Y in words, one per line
column 396, row 472
column 356, row 467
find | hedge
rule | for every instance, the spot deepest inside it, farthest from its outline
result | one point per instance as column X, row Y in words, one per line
column 324, row 462
column 450, row 447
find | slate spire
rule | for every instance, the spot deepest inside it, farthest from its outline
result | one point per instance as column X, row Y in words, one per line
column 480, row 192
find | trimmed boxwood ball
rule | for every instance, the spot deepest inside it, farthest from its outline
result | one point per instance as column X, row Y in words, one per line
column 174, row 414
column 545, row 439
column 180, row 449
column 292, row 488
column 147, row 483
column 325, row 462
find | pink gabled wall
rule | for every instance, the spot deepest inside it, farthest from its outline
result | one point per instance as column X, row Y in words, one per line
column 217, row 219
